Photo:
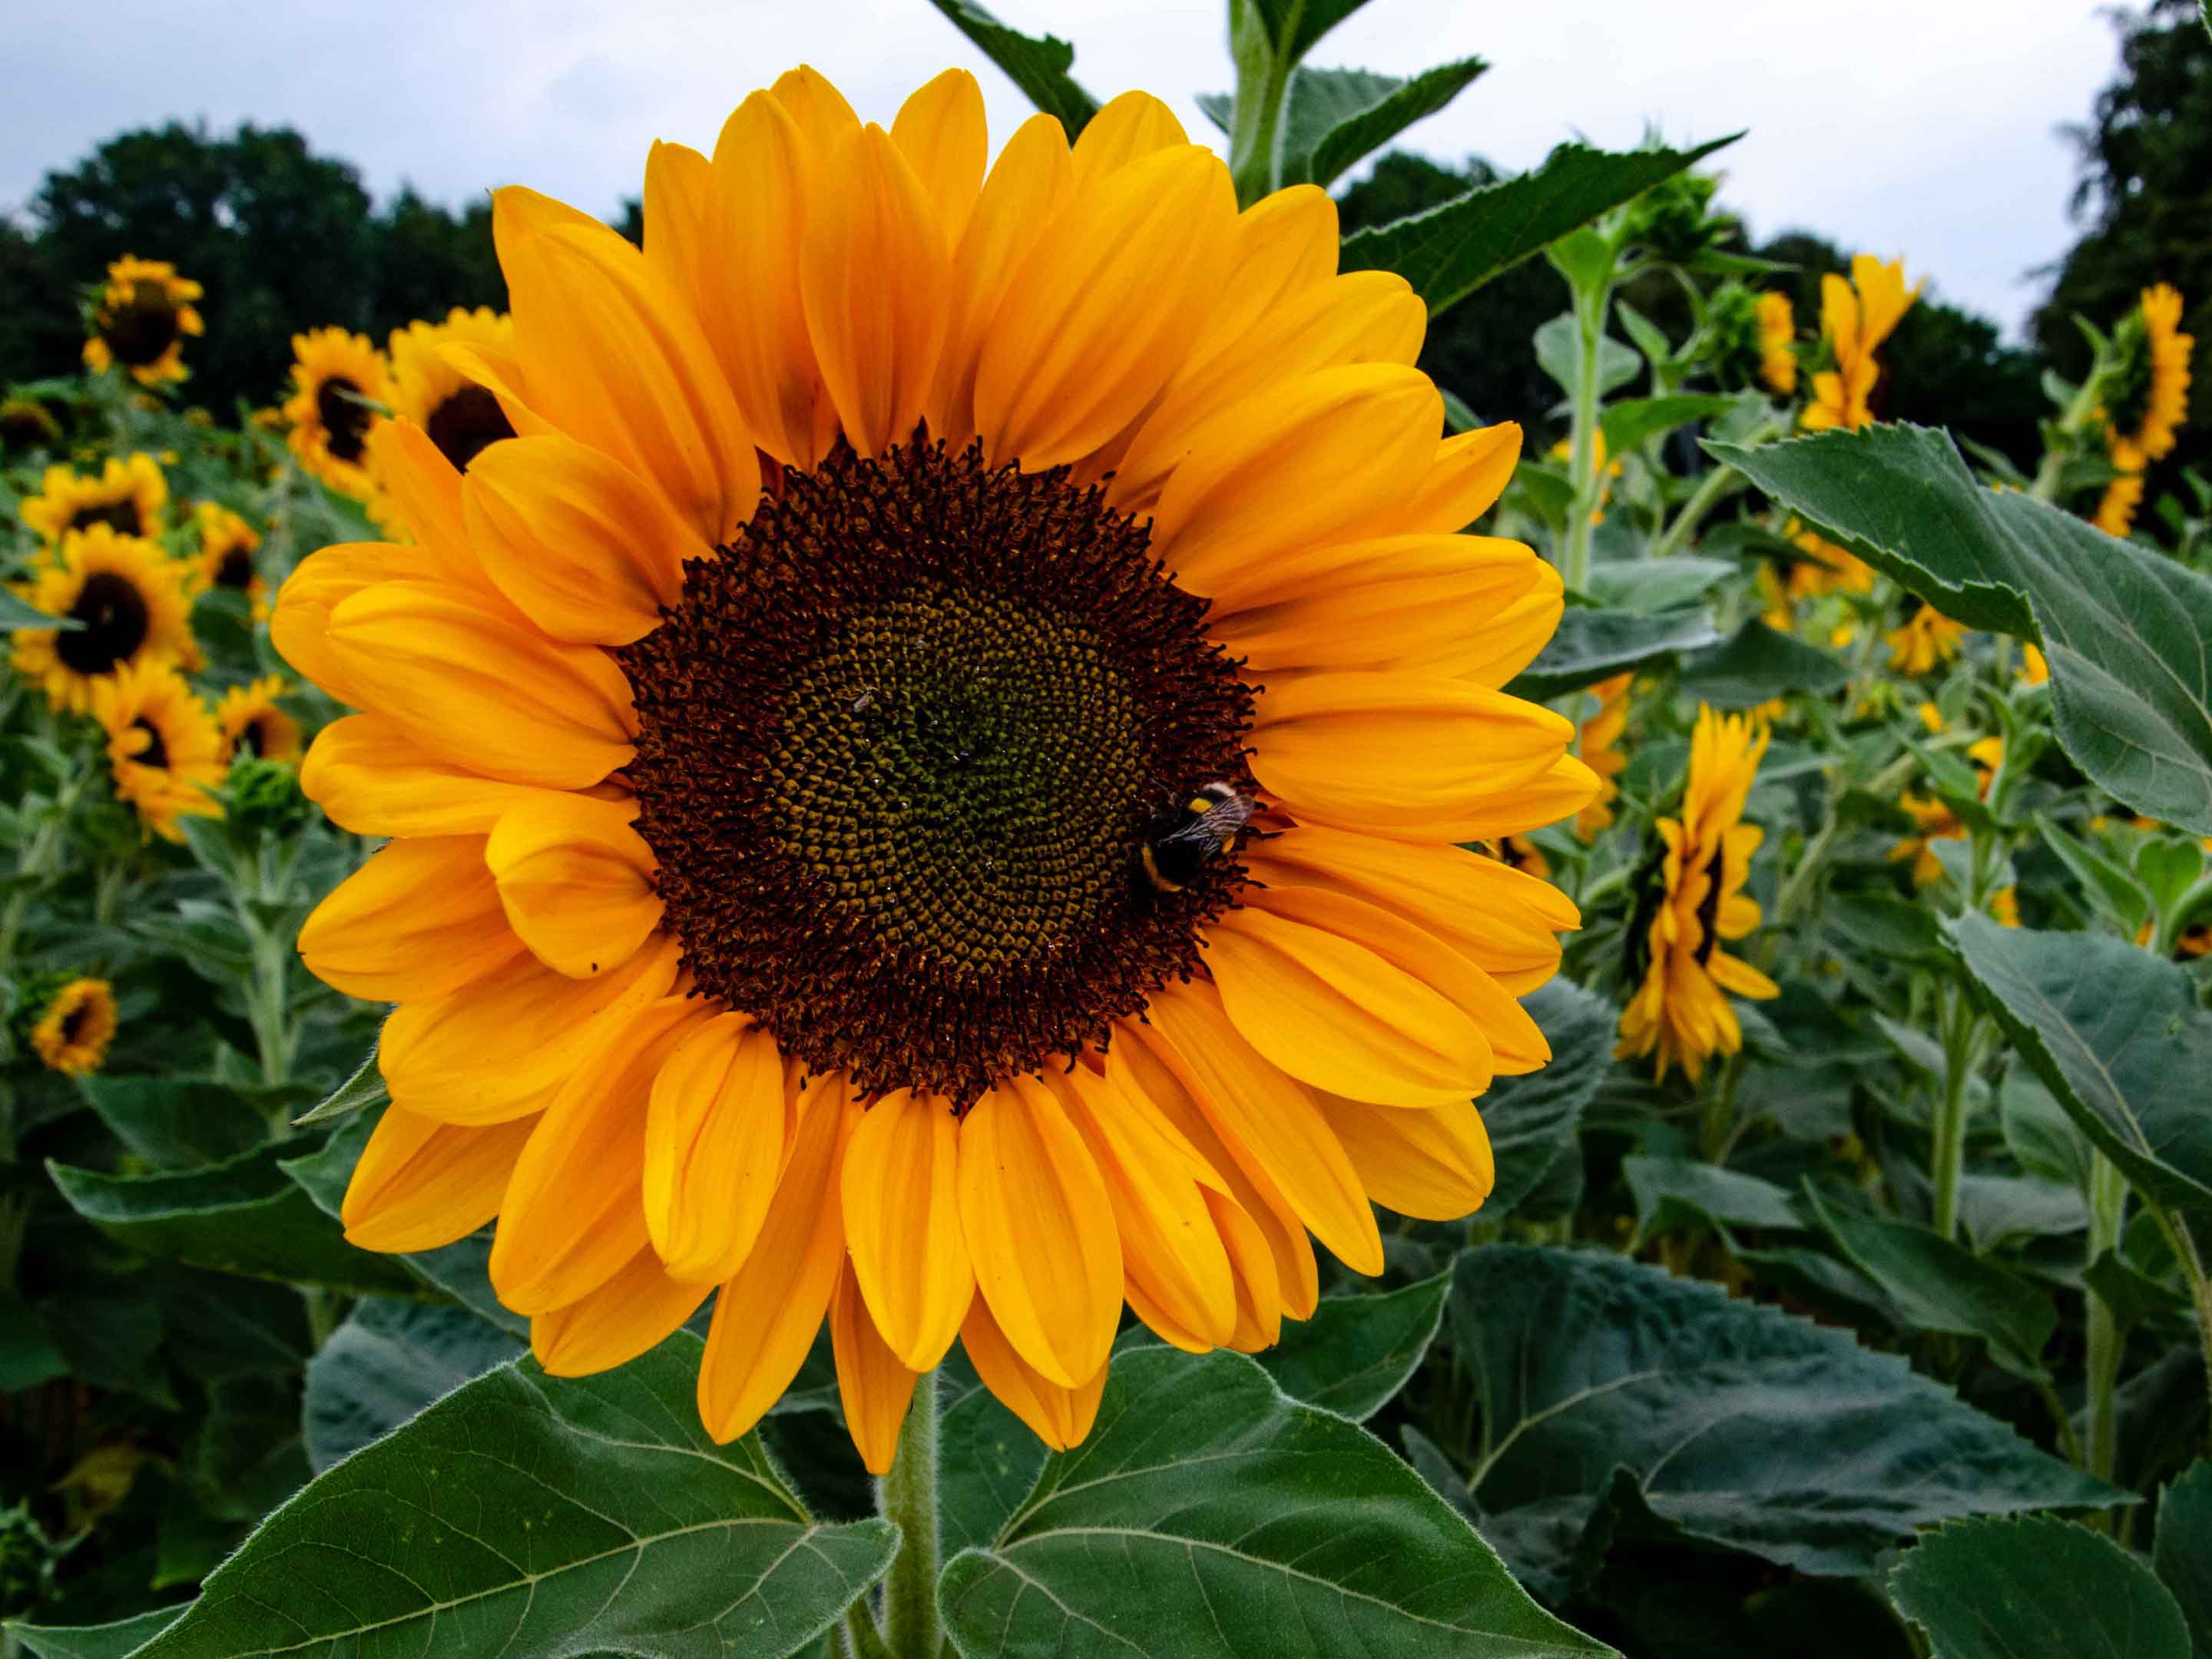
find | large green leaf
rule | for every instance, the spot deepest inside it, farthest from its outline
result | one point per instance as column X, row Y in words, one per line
column 385, row 1363
column 2113, row 1031
column 1356, row 1352
column 242, row 1216
column 1652, row 585
column 2183, row 1550
column 987, row 1461
column 1209, row 1516
column 112, row 1641
column 2127, row 631
column 1729, row 1422
column 1453, row 249
column 1331, row 117
column 527, row 1515
column 175, row 1123
column 1532, row 1119
column 2036, row 1587
column 1038, row 65
column 1678, row 1192
column 1628, row 422
column 1592, row 645
column 1755, row 665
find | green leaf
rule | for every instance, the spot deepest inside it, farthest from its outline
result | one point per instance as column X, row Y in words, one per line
column 1939, row 1285
column 1453, row 249
column 1756, row 664
column 1593, row 645
column 2181, row 1551
column 2112, row 888
column 1558, row 354
column 525, row 1514
column 385, row 1363
column 175, row 1123
column 113, row 1641
column 28, row 1356
column 1651, row 584
column 242, row 1216
column 1627, row 423
column 1037, row 65
column 2128, row 630
column 364, row 1089
column 1331, row 117
column 1209, row 1516
column 2037, row 1588
column 1997, row 1209
column 17, row 613
column 987, row 1461
column 2038, row 1131
column 2109, row 1028
column 1532, row 1119
column 1294, row 27
column 1672, row 1193
column 1357, row 1351
column 1736, row 1425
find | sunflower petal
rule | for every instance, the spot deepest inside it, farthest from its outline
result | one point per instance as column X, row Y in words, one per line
column 753, row 314
column 940, row 130
column 372, row 778
column 1128, row 129
column 903, row 1223
column 420, row 919
column 1060, row 1417
column 576, row 881
column 873, row 1387
column 714, row 1147
column 635, row 1310
column 1434, row 1165
column 421, row 1184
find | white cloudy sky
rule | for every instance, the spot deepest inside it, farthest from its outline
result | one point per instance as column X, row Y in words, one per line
column 1920, row 127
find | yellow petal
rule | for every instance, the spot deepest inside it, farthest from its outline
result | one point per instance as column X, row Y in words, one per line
column 499, row 371
column 1434, row 1166
column 1251, row 1259
column 940, row 130
column 1060, row 1417
column 874, row 1389
column 714, row 1147
column 501, row 1047
column 426, row 491
column 903, row 1223
column 580, row 545
column 636, row 1309
column 751, row 305
column 421, row 1184
column 576, row 881
column 678, row 207
column 1562, row 790
column 1040, row 1226
column 374, row 780
column 818, row 109
column 489, row 694
column 1468, row 473
column 1272, row 1117
column 767, row 1313
column 1286, row 244
column 420, row 919
column 1128, row 129
column 299, row 627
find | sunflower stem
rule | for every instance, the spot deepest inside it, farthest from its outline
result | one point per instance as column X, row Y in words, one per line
column 2108, row 1204
column 1949, row 1155
column 1593, row 302
column 908, row 1496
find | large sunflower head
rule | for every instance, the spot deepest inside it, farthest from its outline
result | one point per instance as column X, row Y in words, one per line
column 925, row 787
column 341, row 387
column 1689, row 900
column 70, row 1020
column 163, row 746
column 254, row 723
column 128, row 495
column 225, row 560
column 127, row 598
column 141, row 319
column 2146, row 388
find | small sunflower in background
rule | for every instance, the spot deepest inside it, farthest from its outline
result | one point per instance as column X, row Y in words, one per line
column 227, row 545
column 2034, row 667
column 1692, row 900
column 1777, row 343
column 163, row 746
column 1924, row 640
column 252, row 722
column 2117, row 506
column 68, row 1021
column 128, row 495
column 461, row 417
column 26, row 425
column 127, row 596
column 1935, row 820
column 142, row 320
column 341, row 387
column 1598, row 743
column 2146, row 395
column 1856, row 317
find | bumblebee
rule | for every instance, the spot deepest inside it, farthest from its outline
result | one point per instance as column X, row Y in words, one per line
column 1178, row 843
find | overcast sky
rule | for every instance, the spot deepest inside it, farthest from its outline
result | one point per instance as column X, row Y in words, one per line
column 1925, row 128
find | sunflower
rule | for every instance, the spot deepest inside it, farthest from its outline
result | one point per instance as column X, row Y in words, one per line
column 1599, row 744
column 27, row 424
column 1856, row 317
column 162, row 745
column 2004, row 906
column 227, row 545
column 769, row 904
column 2149, row 397
column 1935, row 820
column 461, row 417
column 1926, row 639
column 252, row 723
column 340, row 388
column 1777, row 343
column 128, row 598
column 129, row 496
column 72, row 1029
column 1692, row 899
column 141, row 320
column 2116, row 508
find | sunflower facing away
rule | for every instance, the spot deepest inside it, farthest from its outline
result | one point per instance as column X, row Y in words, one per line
column 340, row 385
column 128, row 495
column 253, row 723
column 2117, row 506
column 141, row 319
column 71, row 1032
column 163, row 746
column 227, row 545
column 992, row 858
column 2146, row 406
column 1599, row 744
column 127, row 597
column 1692, row 900
column 1856, row 317
column 1924, row 641
column 1777, row 343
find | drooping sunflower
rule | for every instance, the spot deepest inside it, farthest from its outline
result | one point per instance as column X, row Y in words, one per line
column 1856, row 317
column 1777, row 343
column 1692, row 900
column 845, row 893
column 1599, row 744
column 2148, row 401
column 340, row 385
column 142, row 320
column 227, row 545
column 1924, row 640
column 72, row 1023
column 128, row 495
column 1934, row 819
column 2117, row 506
column 127, row 597
column 163, row 746
column 252, row 722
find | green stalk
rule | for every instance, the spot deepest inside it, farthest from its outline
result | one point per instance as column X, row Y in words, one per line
column 908, row 1496
column 1710, row 493
column 1591, row 305
column 1263, row 79
column 1956, row 1020
column 2108, row 1203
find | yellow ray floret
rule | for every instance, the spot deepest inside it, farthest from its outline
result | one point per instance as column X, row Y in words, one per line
column 1777, row 343
column 1856, row 317
column 71, row 1034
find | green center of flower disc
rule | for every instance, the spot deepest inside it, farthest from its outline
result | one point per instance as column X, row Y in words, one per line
column 143, row 327
column 900, row 746
column 115, row 620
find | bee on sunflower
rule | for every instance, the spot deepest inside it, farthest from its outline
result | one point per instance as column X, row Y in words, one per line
column 1692, row 901
column 227, row 545
column 126, row 598
column 141, row 321
column 1856, row 317
column 252, row 722
column 1924, row 641
column 163, row 746
column 1598, row 742
column 68, row 1021
column 128, row 495
column 341, row 387
column 1006, row 872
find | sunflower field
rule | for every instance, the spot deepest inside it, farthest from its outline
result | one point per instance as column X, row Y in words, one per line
column 690, row 970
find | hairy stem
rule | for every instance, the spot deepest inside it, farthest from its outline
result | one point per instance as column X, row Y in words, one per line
column 908, row 1496
column 2108, row 1203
